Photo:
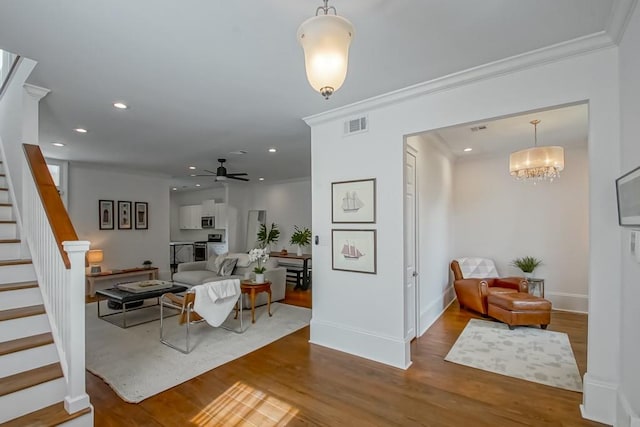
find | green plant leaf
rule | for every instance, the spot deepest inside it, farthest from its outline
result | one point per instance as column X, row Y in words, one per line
column 527, row 264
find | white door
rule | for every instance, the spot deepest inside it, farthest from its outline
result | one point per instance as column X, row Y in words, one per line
column 411, row 279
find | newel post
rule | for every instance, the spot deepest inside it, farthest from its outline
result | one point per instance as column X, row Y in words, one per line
column 76, row 398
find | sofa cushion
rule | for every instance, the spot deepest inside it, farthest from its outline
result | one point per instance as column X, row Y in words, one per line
column 211, row 263
column 243, row 259
column 271, row 263
column 194, row 277
column 227, row 266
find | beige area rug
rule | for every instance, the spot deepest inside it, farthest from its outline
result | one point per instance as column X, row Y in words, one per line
column 136, row 365
column 531, row 354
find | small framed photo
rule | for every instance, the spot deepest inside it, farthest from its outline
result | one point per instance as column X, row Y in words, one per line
column 354, row 250
column 142, row 215
column 105, row 214
column 124, row 215
column 353, row 201
column 628, row 193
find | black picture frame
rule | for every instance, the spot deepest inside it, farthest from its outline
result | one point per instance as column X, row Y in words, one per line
column 105, row 214
column 142, row 215
column 353, row 202
column 628, row 198
column 124, row 215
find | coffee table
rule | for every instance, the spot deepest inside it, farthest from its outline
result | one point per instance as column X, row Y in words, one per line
column 126, row 298
column 253, row 288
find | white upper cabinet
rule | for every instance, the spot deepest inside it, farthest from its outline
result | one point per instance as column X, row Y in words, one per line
column 191, row 217
column 209, row 208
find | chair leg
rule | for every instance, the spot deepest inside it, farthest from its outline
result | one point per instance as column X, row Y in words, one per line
column 511, row 327
column 544, row 326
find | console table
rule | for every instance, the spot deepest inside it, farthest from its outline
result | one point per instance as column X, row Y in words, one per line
column 305, row 258
column 151, row 273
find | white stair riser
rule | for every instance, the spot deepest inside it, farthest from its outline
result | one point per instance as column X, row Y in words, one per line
column 20, row 361
column 17, row 273
column 9, row 251
column 31, row 399
column 8, row 231
column 20, row 298
column 4, row 196
column 6, row 213
column 84, row 421
column 3, row 181
column 23, row 327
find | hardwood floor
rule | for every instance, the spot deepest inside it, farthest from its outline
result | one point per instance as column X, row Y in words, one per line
column 291, row 382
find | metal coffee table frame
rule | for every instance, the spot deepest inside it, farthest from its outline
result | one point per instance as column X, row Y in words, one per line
column 124, row 298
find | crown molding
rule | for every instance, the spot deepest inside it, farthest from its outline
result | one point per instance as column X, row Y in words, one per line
column 36, row 92
column 549, row 54
column 619, row 18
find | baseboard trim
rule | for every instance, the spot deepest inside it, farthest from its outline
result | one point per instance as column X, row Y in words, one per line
column 435, row 309
column 599, row 400
column 563, row 301
column 625, row 415
column 359, row 342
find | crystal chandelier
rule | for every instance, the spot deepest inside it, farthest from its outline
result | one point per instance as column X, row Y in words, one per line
column 325, row 40
column 537, row 163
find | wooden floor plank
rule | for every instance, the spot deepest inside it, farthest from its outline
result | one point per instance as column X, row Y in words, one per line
column 291, row 382
column 47, row 417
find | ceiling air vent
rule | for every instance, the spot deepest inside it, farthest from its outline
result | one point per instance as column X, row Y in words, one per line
column 357, row 125
column 477, row 128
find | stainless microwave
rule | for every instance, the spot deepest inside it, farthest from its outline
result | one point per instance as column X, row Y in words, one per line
column 208, row 222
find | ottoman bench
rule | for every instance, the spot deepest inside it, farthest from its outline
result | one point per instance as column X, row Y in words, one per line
column 519, row 309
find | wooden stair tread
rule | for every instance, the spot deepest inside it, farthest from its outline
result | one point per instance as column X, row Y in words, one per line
column 25, row 343
column 17, row 286
column 6, row 262
column 46, row 417
column 4, row 189
column 31, row 378
column 4, row 221
column 17, row 313
column 6, row 204
column 9, row 241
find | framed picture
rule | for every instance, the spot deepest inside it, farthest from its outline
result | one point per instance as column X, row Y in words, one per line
column 142, row 215
column 628, row 193
column 105, row 214
column 124, row 215
column 354, row 250
column 353, row 201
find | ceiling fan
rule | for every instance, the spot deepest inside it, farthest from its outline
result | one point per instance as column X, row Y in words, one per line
column 222, row 175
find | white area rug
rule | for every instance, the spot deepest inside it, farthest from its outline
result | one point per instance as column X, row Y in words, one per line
column 531, row 354
column 136, row 365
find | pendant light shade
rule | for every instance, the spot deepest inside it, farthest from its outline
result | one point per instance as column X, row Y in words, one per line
column 537, row 163
column 326, row 40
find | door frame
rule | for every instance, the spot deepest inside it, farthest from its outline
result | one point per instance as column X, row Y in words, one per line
column 410, row 150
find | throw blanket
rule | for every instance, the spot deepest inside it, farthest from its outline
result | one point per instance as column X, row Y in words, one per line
column 215, row 300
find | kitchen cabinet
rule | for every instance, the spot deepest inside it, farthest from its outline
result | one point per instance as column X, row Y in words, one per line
column 222, row 219
column 208, row 208
column 190, row 217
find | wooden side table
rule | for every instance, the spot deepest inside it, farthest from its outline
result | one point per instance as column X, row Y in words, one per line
column 252, row 288
column 536, row 284
column 151, row 273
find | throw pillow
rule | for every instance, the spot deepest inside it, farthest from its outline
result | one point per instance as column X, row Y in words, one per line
column 227, row 267
column 220, row 260
column 212, row 263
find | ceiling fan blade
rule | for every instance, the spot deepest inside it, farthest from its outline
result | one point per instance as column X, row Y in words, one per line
column 211, row 172
column 206, row 175
column 235, row 177
column 237, row 174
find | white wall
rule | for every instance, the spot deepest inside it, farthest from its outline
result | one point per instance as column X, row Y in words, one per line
column 500, row 218
column 364, row 314
column 434, row 166
column 122, row 248
column 629, row 393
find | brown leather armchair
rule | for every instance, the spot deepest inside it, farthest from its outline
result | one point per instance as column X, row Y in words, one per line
column 476, row 278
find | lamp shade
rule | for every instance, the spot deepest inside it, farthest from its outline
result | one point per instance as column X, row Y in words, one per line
column 326, row 40
column 95, row 256
column 537, row 162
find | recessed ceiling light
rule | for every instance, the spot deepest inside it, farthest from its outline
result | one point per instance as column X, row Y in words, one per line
column 260, row 179
column 58, row 144
column 120, row 105
column 197, row 185
column 466, row 150
column 193, row 174
column 174, row 189
column 272, row 150
column 80, row 130
column 192, row 168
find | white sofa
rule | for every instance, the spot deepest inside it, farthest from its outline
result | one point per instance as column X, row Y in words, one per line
column 199, row 272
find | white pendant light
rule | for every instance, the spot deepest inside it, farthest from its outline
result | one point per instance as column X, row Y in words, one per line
column 537, row 163
column 325, row 39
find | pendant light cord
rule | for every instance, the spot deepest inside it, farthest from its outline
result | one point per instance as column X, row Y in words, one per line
column 326, row 8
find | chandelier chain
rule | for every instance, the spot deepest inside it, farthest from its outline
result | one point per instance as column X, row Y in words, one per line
column 326, row 8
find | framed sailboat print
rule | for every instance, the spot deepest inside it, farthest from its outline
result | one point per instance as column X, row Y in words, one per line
column 353, row 201
column 354, row 250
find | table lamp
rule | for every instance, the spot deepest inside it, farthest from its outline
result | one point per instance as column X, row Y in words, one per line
column 95, row 257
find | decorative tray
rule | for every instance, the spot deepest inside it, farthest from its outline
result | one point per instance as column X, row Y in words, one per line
column 145, row 286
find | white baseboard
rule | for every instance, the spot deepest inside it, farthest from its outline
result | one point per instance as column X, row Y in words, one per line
column 435, row 309
column 359, row 342
column 84, row 421
column 625, row 415
column 599, row 400
column 576, row 303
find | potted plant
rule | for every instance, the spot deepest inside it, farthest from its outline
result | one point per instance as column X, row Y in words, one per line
column 300, row 237
column 268, row 237
column 527, row 264
column 147, row 264
column 259, row 255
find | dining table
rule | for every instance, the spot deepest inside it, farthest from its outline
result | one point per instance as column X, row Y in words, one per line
column 305, row 258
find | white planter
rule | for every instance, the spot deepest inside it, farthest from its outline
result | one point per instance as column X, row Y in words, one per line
column 299, row 252
column 259, row 277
